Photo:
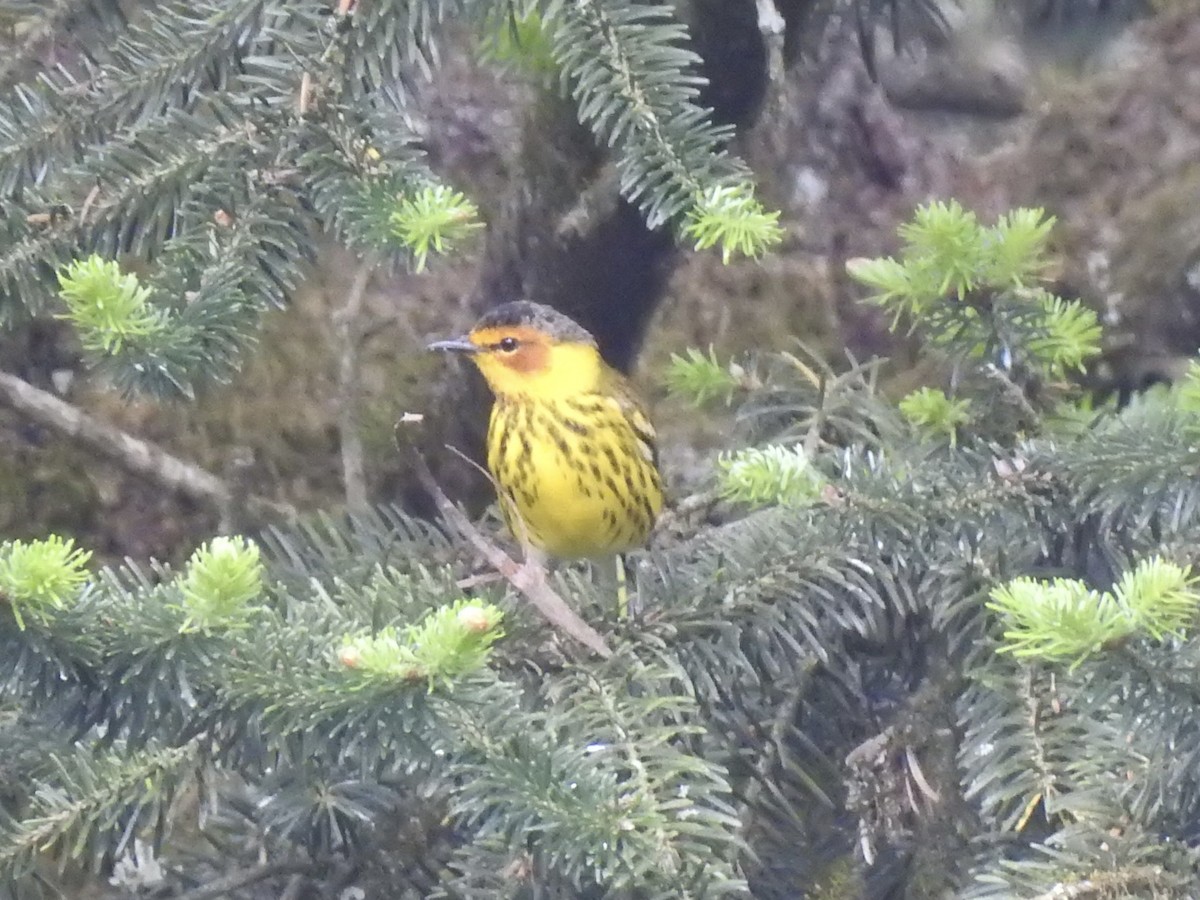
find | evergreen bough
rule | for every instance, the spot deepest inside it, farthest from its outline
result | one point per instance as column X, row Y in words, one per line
column 216, row 141
column 952, row 651
column 933, row 659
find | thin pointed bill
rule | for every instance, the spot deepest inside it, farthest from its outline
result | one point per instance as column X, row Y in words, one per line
column 458, row 345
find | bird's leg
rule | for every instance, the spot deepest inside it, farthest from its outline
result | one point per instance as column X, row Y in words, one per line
column 622, row 587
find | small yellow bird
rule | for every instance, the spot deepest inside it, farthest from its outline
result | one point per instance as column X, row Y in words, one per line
column 569, row 444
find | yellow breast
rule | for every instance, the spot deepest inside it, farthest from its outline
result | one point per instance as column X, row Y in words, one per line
column 577, row 476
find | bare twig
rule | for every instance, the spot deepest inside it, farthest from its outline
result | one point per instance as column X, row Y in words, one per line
column 131, row 453
column 524, row 578
column 294, row 886
column 771, row 25
column 222, row 887
column 347, row 321
column 1011, row 392
column 682, row 512
column 914, row 767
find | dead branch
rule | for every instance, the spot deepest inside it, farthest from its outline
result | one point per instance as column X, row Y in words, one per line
column 131, row 453
column 222, row 887
column 772, row 26
column 347, row 322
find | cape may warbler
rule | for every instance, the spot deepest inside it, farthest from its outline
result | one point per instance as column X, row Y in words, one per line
column 569, row 444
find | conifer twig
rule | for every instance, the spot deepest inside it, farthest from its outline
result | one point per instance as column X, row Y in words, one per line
column 347, row 323
column 683, row 511
column 535, row 589
column 131, row 453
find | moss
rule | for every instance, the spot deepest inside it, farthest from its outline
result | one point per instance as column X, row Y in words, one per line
column 1112, row 155
column 841, row 880
column 46, row 486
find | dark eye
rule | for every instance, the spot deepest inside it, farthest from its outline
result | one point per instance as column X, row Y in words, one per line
column 508, row 344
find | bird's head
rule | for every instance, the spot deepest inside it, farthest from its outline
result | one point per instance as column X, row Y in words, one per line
column 525, row 348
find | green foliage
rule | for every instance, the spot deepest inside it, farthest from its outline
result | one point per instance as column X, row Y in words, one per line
column 107, row 308
column 1160, row 597
column 215, row 142
column 219, row 583
column 1016, row 247
column 843, row 676
column 434, row 218
column 769, row 475
column 631, row 809
column 1187, row 392
column 635, row 83
column 1061, row 620
column 518, row 37
column 728, row 215
column 1070, row 334
column 931, row 411
column 699, row 378
column 972, row 290
column 599, row 761
column 1065, row 621
column 41, row 576
column 98, row 792
column 449, row 643
column 812, row 688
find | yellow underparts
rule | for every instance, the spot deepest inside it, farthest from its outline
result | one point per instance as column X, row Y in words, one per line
column 576, row 474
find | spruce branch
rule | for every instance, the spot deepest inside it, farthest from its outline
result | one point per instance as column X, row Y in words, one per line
column 145, row 175
column 606, row 784
column 97, row 801
column 163, row 59
column 973, row 291
column 729, row 215
column 1009, row 718
column 634, row 85
column 240, row 878
column 449, row 643
column 516, row 36
column 1063, row 620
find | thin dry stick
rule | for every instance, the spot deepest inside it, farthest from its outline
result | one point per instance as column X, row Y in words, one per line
column 524, row 578
column 685, row 509
column 132, row 454
column 223, row 886
column 347, row 322
column 771, row 26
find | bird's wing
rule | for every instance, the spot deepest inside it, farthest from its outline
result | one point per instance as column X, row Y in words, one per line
column 635, row 414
